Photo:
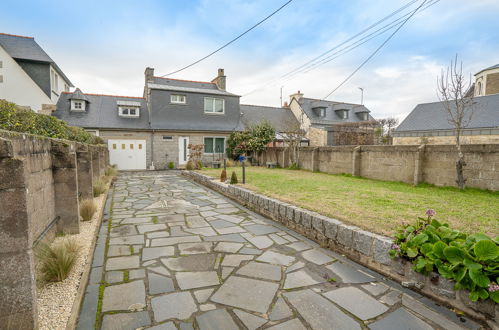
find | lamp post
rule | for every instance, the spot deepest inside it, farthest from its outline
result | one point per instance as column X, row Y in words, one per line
column 361, row 95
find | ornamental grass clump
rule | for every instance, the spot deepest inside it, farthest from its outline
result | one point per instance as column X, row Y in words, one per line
column 233, row 178
column 189, row 166
column 472, row 261
column 110, row 171
column 223, row 176
column 87, row 209
column 99, row 188
column 171, row 165
column 55, row 261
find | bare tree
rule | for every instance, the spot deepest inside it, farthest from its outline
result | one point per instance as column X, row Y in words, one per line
column 386, row 126
column 459, row 105
column 293, row 134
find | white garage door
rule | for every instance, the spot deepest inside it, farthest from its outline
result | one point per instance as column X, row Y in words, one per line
column 128, row 154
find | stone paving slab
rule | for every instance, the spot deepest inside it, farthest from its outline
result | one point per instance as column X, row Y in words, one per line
column 179, row 256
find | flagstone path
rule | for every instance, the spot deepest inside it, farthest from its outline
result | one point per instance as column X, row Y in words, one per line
column 175, row 255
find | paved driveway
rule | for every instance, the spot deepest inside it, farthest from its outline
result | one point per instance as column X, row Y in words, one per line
column 177, row 255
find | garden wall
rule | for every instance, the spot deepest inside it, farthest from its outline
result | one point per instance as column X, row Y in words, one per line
column 434, row 164
column 41, row 180
column 362, row 246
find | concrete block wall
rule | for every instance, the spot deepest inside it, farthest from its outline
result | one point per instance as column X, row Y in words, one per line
column 39, row 196
column 434, row 164
column 367, row 248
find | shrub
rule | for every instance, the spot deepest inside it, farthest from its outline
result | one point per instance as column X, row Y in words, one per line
column 229, row 163
column 472, row 261
column 253, row 139
column 14, row 118
column 199, row 165
column 171, row 165
column 56, row 261
column 233, row 178
column 87, row 209
column 223, row 176
column 99, row 187
column 189, row 166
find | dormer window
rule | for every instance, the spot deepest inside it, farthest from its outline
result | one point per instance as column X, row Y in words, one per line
column 343, row 113
column 320, row 111
column 129, row 112
column 178, row 99
column 363, row 116
column 78, row 105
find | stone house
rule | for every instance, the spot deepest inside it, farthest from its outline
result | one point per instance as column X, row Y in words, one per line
column 28, row 76
column 320, row 118
column 149, row 132
column 428, row 123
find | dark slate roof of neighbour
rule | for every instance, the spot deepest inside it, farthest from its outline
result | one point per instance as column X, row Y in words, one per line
column 26, row 48
column 308, row 105
column 101, row 112
column 279, row 118
column 187, row 86
column 489, row 68
column 78, row 95
column 433, row 116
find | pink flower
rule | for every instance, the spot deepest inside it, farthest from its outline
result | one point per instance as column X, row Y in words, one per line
column 430, row 212
column 493, row 287
column 395, row 247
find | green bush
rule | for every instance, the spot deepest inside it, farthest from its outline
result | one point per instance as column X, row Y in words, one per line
column 472, row 261
column 56, row 261
column 233, row 178
column 171, row 165
column 223, row 176
column 253, row 139
column 16, row 119
column 99, row 187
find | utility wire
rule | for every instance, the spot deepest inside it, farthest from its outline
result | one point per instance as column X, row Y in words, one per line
column 230, row 42
column 377, row 50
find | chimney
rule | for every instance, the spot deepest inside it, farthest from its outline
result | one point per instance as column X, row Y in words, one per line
column 149, row 75
column 298, row 95
column 220, row 80
column 286, row 105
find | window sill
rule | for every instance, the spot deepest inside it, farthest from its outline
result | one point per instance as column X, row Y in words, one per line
column 214, row 113
column 178, row 103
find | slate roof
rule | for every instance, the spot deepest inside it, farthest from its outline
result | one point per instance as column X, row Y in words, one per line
column 489, row 68
column 433, row 116
column 26, row 48
column 187, row 86
column 279, row 118
column 308, row 105
column 101, row 112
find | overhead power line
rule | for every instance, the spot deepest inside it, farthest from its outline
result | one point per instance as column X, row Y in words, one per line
column 377, row 49
column 230, row 42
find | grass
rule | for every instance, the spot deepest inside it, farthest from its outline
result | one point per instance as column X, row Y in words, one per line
column 378, row 206
column 99, row 187
column 87, row 209
column 56, row 260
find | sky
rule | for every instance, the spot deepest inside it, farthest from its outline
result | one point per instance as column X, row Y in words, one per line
column 104, row 46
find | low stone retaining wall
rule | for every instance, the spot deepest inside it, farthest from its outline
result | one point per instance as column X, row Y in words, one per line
column 41, row 182
column 362, row 246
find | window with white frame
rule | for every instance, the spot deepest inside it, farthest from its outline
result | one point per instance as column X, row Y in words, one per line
column 214, row 105
column 178, row 99
column 55, row 81
column 214, row 145
column 343, row 114
column 78, row 105
column 132, row 112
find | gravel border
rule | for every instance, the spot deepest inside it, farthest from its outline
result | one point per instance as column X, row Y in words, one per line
column 55, row 300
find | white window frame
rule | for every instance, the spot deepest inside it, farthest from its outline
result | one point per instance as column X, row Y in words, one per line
column 55, row 82
column 74, row 105
column 178, row 99
column 215, row 137
column 213, row 100
column 124, row 111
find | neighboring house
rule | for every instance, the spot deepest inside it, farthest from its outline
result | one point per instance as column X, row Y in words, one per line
column 429, row 122
column 282, row 119
column 319, row 118
column 150, row 132
column 28, row 76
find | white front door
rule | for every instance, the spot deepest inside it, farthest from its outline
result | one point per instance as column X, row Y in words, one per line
column 183, row 151
column 127, row 154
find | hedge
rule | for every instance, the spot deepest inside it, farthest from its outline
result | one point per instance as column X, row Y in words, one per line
column 16, row 119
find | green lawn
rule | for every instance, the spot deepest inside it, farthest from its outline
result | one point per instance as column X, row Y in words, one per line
column 378, row 206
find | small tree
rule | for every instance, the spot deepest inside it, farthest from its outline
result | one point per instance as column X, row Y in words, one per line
column 233, row 178
column 252, row 140
column 452, row 89
column 195, row 154
column 293, row 135
column 223, row 176
column 386, row 126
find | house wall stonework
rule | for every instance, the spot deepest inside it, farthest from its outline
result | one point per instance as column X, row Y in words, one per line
column 492, row 83
column 434, row 164
column 39, row 176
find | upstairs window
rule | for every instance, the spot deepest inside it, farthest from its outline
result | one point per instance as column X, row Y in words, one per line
column 129, row 112
column 214, row 105
column 214, row 145
column 343, row 114
column 78, row 105
column 178, row 99
column 55, row 81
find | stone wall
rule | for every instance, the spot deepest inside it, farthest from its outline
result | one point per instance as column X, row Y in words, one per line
column 413, row 164
column 362, row 246
column 41, row 181
column 465, row 139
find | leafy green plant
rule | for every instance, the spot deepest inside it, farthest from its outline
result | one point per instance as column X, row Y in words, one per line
column 99, row 187
column 56, row 261
column 233, row 178
column 171, row 165
column 87, row 209
column 253, row 139
column 472, row 261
